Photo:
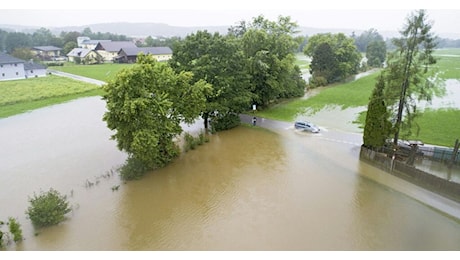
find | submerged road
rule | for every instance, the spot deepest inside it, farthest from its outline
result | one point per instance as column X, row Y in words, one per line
column 333, row 135
column 354, row 141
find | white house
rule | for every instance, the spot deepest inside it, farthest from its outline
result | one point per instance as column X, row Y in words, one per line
column 85, row 56
column 33, row 69
column 12, row 68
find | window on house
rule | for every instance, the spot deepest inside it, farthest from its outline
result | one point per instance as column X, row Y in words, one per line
column 17, row 73
column 15, row 65
column 3, row 74
column 31, row 71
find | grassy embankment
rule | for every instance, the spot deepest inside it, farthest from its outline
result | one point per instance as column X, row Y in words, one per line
column 19, row 96
column 439, row 126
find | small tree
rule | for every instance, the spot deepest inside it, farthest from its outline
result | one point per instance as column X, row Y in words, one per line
column 48, row 208
column 377, row 126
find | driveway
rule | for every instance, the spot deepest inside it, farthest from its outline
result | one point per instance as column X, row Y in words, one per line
column 76, row 77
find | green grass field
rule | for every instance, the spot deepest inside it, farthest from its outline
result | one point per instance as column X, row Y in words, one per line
column 352, row 94
column 103, row 72
column 18, row 96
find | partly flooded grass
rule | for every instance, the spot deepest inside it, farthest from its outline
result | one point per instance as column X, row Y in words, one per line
column 18, row 108
column 351, row 94
column 19, row 96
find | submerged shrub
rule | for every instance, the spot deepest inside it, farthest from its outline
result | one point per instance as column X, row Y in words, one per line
column 226, row 122
column 192, row 142
column 48, row 208
column 133, row 169
column 15, row 229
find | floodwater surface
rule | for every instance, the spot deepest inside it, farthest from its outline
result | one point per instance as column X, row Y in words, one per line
column 247, row 189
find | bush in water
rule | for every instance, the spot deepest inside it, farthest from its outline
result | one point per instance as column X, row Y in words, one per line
column 48, row 208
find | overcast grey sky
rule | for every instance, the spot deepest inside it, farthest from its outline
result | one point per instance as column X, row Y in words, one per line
column 353, row 14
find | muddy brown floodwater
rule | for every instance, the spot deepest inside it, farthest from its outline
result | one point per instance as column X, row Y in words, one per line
column 247, row 189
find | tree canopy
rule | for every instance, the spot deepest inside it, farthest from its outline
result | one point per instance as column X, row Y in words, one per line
column 409, row 77
column 377, row 126
column 342, row 58
column 218, row 60
column 146, row 105
column 268, row 48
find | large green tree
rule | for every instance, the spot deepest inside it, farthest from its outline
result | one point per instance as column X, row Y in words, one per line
column 365, row 38
column 376, row 52
column 219, row 60
column 409, row 74
column 146, row 105
column 346, row 58
column 17, row 40
column 324, row 65
column 269, row 47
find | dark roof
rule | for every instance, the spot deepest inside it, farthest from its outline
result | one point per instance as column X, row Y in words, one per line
column 114, row 46
column 33, row 66
column 46, row 48
column 78, row 52
column 7, row 59
column 146, row 50
column 94, row 41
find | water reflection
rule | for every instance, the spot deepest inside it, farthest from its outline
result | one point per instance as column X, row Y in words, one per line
column 247, row 189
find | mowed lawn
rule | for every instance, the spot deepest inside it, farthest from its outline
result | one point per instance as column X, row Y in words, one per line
column 103, row 72
column 18, row 96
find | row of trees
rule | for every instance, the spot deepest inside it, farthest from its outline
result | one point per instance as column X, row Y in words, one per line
column 9, row 41
column 337, row 56
column 210, row 75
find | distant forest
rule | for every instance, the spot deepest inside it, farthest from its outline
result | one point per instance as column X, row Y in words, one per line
column 9, row 41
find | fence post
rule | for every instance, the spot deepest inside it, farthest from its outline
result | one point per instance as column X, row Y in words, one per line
column 454, row 154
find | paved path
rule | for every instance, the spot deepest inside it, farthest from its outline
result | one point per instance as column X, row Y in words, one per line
column 76, row 77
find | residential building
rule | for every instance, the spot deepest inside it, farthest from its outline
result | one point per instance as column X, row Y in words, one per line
column 109, row 50
column 129, row 55
column 12, row 68
column 84, row 56
column 47, row 53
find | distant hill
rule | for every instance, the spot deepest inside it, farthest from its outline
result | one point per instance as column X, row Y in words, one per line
column 165, row 30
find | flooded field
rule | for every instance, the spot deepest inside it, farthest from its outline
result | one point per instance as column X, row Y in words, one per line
column 247, row 189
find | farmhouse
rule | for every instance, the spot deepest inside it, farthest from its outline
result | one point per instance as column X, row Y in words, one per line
column 109, row 50
column 47, row 53
column 12, row 68
column 129, row 55
column 84, row 56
